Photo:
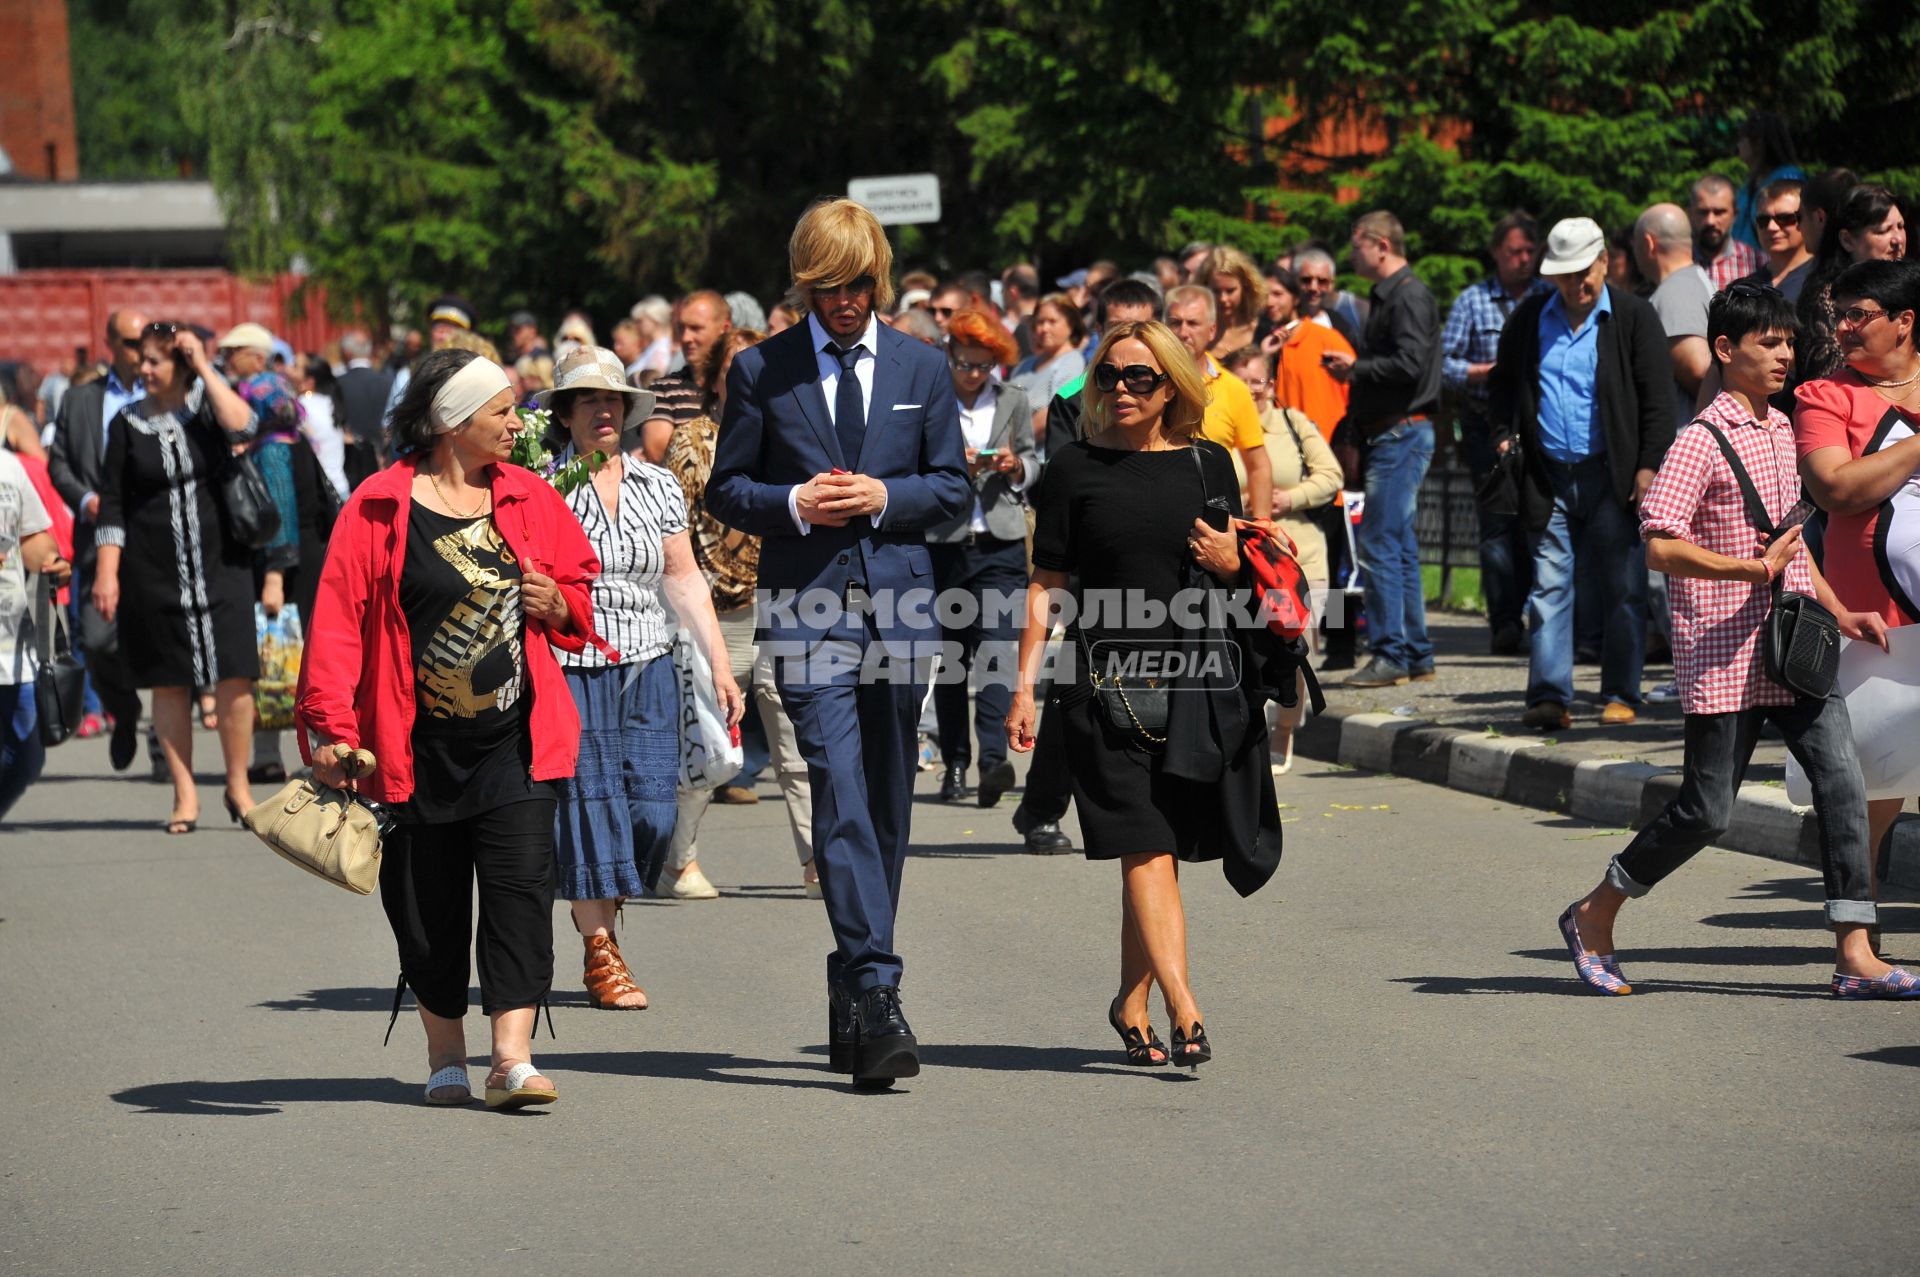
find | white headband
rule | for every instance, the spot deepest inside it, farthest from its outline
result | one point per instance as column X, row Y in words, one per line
column 466, row 393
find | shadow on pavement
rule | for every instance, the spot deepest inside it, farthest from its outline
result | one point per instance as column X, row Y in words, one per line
column 699, row 1066
column 155, row 825
column 1569, row 987
column 372, row 998
column 1907, row 1055
column 1008, row 846
column 264, row 1096
column 1705, row 955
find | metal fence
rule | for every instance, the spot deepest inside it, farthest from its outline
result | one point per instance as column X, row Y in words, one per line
column 1447, row 520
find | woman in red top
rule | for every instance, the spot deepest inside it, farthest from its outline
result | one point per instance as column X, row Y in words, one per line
column 1860, row 455
column 449, row 578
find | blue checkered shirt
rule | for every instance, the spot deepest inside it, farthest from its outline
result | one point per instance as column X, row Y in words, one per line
column 1472, row 335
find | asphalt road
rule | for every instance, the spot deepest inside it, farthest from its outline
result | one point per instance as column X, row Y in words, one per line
column 1407, row 1079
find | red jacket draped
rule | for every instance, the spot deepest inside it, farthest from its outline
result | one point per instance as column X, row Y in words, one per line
column 356, row 681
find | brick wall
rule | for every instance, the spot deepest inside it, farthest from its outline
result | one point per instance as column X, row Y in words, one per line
column 36, row 90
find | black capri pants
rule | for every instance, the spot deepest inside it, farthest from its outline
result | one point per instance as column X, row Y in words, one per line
column 427, row 874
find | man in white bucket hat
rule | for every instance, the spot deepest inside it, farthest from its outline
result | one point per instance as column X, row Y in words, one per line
column 1582, row 386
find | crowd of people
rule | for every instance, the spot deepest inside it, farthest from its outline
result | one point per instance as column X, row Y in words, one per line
column 507, row 650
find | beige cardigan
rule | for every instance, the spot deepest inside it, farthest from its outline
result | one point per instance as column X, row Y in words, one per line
column 1304, row 469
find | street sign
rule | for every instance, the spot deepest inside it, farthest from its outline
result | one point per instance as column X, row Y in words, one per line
column 904, row 200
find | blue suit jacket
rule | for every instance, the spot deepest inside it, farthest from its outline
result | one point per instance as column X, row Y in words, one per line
column 777, row 434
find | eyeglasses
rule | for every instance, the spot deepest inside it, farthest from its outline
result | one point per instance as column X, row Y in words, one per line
column 854, row 287
column 967, row 365
column 1740, row 288
column 1137, row 378
column 1786, row 221
column 1859, row 316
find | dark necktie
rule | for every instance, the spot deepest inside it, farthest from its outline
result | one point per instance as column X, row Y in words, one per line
column 849, row 416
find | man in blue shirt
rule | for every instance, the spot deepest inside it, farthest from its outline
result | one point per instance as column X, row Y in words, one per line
column 1582, row 386
column 1468, row 346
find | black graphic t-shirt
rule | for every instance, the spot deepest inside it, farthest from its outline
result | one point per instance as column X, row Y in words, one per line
column 472, row 742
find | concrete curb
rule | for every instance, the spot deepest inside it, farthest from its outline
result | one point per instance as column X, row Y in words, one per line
column 1526, row 771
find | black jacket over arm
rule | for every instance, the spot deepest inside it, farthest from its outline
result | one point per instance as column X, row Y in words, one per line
column 1634, row 392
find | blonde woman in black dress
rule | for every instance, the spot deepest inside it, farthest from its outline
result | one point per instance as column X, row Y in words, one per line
column 1121, row 510
column 180, row 589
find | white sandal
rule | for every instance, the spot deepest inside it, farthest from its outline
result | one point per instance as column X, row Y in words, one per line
column 516, row 1094
column 450, row 1075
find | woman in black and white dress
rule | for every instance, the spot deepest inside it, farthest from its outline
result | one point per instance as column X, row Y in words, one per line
column 179, row 588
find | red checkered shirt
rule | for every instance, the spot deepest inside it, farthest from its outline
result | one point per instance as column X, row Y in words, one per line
column 1737, row 258
column 1716, row 624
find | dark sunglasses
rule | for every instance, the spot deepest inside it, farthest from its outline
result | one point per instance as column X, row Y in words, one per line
column 1137, row 378
column 944, row 312
column 1740, row 288
column 855, row 287
column 966, row 365
column 1787, row 221
column 158, row 330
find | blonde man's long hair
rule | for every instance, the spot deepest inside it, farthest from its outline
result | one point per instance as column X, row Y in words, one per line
column 1225, row 259
column 1186, row 411
column 836, row 242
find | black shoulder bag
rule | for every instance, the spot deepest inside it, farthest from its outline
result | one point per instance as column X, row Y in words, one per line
column 1134, row 706
column 246, row 506
column 60, row 685
column 1801, row 643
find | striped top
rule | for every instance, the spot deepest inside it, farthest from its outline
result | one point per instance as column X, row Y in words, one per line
column 628, row 610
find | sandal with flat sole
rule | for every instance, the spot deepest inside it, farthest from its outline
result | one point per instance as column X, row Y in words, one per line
column 181, row 825
column 449, row 1075
column 516, row 1093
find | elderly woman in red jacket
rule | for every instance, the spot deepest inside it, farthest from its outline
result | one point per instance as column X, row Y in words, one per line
column 449, row 580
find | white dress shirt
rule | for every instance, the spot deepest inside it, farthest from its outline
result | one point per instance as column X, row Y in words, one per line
column 829, row 365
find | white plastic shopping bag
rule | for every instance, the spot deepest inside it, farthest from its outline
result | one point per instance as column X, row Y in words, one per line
column 710, row 754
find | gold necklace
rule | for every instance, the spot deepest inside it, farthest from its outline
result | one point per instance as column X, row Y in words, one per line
column 434, row 479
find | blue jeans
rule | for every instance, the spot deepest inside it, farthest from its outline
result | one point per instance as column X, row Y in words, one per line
column 1397, row 461
column 1506, row 560
column 1588, row 520
column 21, row 753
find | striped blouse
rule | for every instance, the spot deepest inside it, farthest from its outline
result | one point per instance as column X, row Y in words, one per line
column 628, row 610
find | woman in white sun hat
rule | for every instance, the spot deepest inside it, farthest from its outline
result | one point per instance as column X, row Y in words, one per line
column 616, row 815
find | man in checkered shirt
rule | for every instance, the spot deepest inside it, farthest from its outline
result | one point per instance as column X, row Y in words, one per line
column 1698, row 531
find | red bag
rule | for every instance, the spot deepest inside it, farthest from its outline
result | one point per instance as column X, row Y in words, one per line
column 1271, row 558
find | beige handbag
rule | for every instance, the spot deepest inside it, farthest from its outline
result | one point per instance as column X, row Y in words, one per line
column 330, row 833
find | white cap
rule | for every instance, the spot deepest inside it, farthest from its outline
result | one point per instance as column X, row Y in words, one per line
column 246, row 337
column 1573, row 244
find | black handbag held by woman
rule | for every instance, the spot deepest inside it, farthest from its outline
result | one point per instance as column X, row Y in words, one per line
column 59, row 688
column 246, row 506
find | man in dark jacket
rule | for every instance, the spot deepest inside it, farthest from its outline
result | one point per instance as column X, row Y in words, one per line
column 77, row 465
column 1583, row 387
column 363, row 392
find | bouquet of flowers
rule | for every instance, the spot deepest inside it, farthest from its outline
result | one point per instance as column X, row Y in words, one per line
column 530, row 450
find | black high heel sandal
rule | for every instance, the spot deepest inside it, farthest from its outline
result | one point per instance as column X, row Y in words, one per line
column 1140, row 1047
column 233, row 808
column 1190, row 1050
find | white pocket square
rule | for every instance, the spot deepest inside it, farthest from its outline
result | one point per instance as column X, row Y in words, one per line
column 902, row 407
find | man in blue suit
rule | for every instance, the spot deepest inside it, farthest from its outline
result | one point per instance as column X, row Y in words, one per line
column 840, row 447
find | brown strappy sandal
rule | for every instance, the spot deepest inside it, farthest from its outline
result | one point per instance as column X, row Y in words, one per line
column 607, row 977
